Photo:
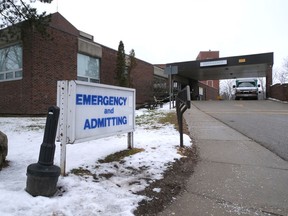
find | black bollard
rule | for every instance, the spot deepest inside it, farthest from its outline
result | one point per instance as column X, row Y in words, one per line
column 42, row 177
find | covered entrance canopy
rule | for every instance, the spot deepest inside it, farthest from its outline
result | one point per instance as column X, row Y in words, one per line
column 257, row 65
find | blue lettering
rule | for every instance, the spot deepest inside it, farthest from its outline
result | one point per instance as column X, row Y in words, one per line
column 87, row 124
column 105, row 100
column 122, row 120
column 100, row 100
column 78, row 99
column 105, row 122
column 116, row 100
column 86, row 99
column 93, row 123
column 94, row 100
column 124, row 99
column 101, row 122
column 111, row 100
column 109, row 111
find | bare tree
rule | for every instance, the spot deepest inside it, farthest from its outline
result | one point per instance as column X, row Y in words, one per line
column 283, row 78
column 280, row 75
column 226, row 88
column 275, row 73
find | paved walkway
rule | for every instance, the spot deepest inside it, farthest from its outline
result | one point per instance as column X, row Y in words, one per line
column 235, row 175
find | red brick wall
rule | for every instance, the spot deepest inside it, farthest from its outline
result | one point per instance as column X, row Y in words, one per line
column 211, row 83
column 279, row 92
column 45, row 60
column 268, row 81
column 207, row 55
column 211, row 91
column 142, row 79
column 12, row 95
column 52, row 60
column 142, row 75
column 108, row 66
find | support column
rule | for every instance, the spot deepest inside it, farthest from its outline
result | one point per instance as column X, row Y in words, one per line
column 269, row 80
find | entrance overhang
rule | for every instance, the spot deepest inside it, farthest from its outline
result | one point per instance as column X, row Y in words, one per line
column 256, row 65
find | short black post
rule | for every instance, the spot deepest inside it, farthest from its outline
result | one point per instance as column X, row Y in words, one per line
column 42, row 177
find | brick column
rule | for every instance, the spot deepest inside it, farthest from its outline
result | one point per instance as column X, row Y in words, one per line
column 268, row 80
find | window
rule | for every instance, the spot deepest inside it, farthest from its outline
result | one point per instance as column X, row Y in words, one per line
column 11, row 63
column 160, row 89
column 87, row 68
column 247, row 84
column 210, row 83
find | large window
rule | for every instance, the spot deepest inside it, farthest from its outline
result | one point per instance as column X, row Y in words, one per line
column 11, row 63
column 87, row 68
column 160, row 88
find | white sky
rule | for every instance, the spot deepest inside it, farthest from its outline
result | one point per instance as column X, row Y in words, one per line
column 165, row 31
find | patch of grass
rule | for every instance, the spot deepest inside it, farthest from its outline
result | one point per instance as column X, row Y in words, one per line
column 81, row 172
column 36, row 127
column 118, row 156
column 150, row 117
column 184, row 151
column 169, row 118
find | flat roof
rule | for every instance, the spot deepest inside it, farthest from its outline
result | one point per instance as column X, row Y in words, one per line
column 254, row 65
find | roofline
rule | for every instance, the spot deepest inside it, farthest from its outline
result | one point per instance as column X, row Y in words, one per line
column 230, row 57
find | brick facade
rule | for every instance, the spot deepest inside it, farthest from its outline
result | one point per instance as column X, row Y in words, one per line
column 209, row 93
column 142, row 79
column 45, row 60
column 211, row 87
column 279, row 91
column 108, row 66
column 207, row 55
column 142, row 75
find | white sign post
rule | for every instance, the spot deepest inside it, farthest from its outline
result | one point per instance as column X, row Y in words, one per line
column 91, row 111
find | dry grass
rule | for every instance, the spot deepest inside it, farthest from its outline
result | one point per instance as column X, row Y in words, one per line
column 171, row 118
column 118, row 156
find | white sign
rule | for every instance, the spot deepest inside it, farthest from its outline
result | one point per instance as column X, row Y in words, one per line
column 213, row 63
column 91, row 111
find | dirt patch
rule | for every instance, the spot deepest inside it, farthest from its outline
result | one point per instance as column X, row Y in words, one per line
column 162, row 192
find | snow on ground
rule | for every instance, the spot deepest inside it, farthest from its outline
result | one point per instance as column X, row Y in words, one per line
column 92, row 194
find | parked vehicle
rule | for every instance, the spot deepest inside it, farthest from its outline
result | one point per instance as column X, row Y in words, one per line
column 246, row 88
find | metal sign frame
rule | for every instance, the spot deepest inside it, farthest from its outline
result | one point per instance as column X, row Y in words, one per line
column 91, row 111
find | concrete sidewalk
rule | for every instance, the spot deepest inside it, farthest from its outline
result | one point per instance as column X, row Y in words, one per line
column 234, row 176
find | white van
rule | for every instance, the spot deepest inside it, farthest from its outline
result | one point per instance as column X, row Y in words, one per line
column 246, row 88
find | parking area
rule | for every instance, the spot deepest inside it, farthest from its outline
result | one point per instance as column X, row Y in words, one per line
column 264, row 121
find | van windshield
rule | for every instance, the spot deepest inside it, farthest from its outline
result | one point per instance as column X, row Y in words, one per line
column 246, row 84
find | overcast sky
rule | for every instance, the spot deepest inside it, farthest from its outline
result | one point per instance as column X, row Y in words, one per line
column 166, row 31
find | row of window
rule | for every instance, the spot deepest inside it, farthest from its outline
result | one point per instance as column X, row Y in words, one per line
column 11, row 59
column 11, row 63
column 11, row 75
